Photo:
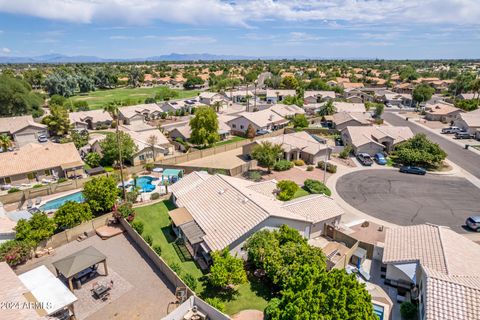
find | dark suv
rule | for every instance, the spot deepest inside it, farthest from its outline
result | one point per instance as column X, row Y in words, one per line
column 365, row 159
column 463, row 135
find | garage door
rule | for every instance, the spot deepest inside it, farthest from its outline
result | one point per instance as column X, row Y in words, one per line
column 24, row 139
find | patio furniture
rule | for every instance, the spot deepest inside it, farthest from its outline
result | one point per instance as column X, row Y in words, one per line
column 101, row 291
column 38, row 200
column 29, row 204
column 79, row 262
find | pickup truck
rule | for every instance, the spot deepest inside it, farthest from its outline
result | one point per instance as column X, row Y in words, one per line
column 451, row 130
column 365, row 159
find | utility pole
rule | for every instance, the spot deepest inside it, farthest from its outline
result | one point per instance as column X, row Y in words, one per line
column 246, row 96
column 255, row 96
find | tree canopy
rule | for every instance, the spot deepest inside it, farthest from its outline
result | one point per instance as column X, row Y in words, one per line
column 57, row 121
column 267, row 153
column 419, row 151
column 300, row 121
column 226, row 269
column 307, row 290
column 39, row 227
column 71, row 214
column 110, row 148
column 423, row 92
column 16, row 98
column 327, row 109
column 101, row 194
column 204, row 127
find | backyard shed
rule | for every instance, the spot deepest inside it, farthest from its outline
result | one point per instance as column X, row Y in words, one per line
column 79, row 261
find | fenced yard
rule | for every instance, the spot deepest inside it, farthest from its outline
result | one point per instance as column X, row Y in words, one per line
column 251, row 295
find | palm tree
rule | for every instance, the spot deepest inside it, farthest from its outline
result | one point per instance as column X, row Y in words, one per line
column 328, row 109
column 113, row 109
column 5, row 142
column 152, row 142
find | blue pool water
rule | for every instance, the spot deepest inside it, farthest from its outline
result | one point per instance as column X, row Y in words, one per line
column 146, row 183
column 57, row 203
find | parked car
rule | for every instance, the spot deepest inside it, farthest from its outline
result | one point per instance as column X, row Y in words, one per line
column 365, row 159
column 463, row 135
column 473, row 223
column 451, row 130
column 42, row 138
column 262, row 132
column 380, row 159
column 413, row 170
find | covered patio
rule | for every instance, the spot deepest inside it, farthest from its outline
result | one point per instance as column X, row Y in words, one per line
column 48, row 290
column 80, row 265
column 73, row 169
column 171, row 175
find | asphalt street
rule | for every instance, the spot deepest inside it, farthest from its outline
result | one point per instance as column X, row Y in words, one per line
column 467, row 160
column 406, row 199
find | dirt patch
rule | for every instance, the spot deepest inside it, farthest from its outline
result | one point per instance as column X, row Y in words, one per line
column 345, row 162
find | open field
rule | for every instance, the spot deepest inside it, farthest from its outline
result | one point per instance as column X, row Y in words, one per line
column 98, row 99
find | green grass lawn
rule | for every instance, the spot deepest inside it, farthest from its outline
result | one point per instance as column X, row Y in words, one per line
column 98, row 99
column 300, row 193
column 232, row 140
column 251, row 295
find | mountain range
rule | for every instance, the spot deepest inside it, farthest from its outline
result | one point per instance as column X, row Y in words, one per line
column 60, row 58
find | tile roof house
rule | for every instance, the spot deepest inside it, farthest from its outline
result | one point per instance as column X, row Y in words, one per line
column 34, row 162
column 90, row 120
column 210, row 98
column 260, row 120
column 286, row 111
column 298, row 145
column 277, row 95
column 349, row 107
column 139, row 112
column 341, row 120
column 351, row 85
column 310, row 97
column 469, row 121
column 374, row 139
column 228, row 210
column 397, row 99
column 443, row 265
column 443, row 112
column 22, row 129
column 141, row 137
column 184, row 132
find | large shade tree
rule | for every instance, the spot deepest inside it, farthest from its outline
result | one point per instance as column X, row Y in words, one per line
column 204, row 127
column 419, row 151
column 267, row 153
column 101, row 194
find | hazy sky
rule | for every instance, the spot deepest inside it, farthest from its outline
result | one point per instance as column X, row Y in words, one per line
column 388, row 29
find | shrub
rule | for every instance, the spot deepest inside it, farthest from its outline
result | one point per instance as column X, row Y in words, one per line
column 176, row 267
column 148, row 239
column 38, row 185
column 254, row 175
column 138, row 226
column 216, row 303
column 15, row 252
column 39, row 227
column 299, row 162
column 155, row 196
column 310, row 168
column 125, row 210
column 148, row 167
column 190, row 281
column 408, row 310
column 345, row 152
column 315, row 186
column 158, row 249
column 331, row 168
column 60, row 180
column 71, row 214
column 282, row 165
column 287, row 189
column 12, row 190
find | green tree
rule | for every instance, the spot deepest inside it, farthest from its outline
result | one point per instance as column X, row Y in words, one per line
column 57, row 121
column 204, row 126
column 165, row 94
column 39, row 227
column 121, row 152
column 61, row 83
column 423, row 92
column 15, row 252
column 135, row 77
column 81, row 105
column 327, row 109
column 101, row 194
column 419, row 151
column 85, row 84
column 408, row 73
column 5, row 142
column 34, row 77
column 315, row 186
column 408, row 310
column 287, row 189
column 193, row 82
column 289, row 82
column 17, row 98
column 226, row 269
column 267, row 153
column 79, row 138
column 379, row 108
column 71, row 214
column 300, row 121
column 93, row 159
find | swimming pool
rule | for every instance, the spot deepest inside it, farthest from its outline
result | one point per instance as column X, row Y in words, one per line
column 145, row 183
column 57, row 203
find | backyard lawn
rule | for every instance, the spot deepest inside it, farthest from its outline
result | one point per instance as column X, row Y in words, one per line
column 98, row 99
column 232, row 140
column 251, row 295
column 300, row 193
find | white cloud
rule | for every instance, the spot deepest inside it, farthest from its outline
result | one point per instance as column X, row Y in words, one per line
column 120, row 38
column 6, row 50
column 247, row 12
column 183, row 39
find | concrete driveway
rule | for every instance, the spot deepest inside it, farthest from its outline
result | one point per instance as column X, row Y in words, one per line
column 406, row 199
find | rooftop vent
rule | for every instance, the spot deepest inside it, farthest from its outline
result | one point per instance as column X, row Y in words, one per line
column 221, row 191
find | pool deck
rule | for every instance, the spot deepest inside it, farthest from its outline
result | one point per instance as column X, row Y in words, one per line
column 14, row 206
